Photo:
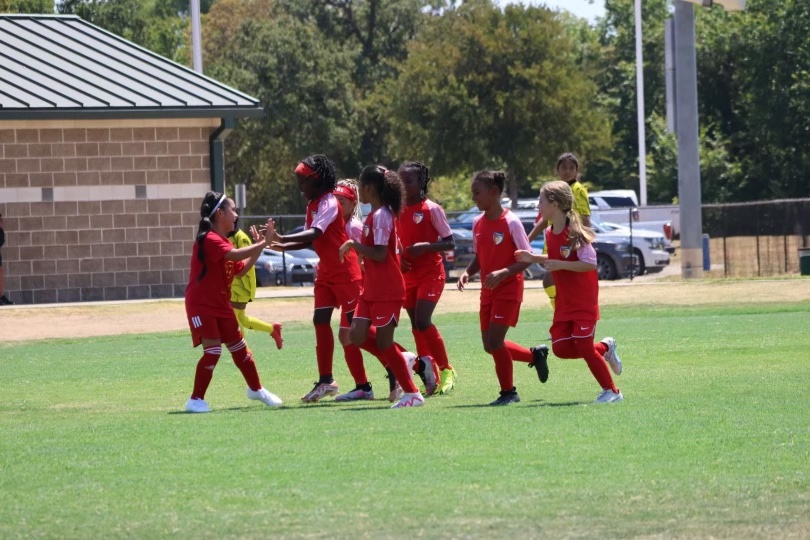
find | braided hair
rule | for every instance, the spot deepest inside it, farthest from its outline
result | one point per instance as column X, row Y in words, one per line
column 422, row 169
column 387, row 185
column 492, row 178
column 212, row 202
column 326, row 178
column 352, row 184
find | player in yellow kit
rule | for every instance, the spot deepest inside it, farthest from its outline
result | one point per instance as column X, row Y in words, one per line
column 243, row 290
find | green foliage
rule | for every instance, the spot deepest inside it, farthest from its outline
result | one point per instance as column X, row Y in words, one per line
column 308, row 100
column 484, row 87
column 26, row 6
column 94, row 444
column 469, row 85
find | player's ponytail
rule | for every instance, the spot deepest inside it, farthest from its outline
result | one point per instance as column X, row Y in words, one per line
column 387, row 185
column 211, row 203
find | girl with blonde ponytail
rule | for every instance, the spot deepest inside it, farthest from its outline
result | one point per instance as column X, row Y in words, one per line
column 572, row 260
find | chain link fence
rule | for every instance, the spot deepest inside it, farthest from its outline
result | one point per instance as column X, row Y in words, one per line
column 757, row 238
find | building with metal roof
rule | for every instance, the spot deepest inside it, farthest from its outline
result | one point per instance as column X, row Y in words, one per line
column 106, row 150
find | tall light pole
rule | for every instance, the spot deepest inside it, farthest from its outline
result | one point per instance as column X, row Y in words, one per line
column 196, row 37
column 642, row 138
column 686, row 124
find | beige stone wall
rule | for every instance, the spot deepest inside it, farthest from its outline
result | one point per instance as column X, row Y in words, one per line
column 100, row 210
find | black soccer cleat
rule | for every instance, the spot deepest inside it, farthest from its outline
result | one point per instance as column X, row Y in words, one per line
column 507, row 397
column 540, row 362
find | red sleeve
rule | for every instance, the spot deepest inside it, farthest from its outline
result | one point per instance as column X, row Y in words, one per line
column 216, row 247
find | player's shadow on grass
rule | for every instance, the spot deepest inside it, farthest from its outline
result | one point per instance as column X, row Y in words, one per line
column 524, row 404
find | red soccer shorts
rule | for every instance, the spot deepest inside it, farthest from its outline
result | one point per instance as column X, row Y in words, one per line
column 571, row 330
column 338, row 295
column 505, row 312
column 379, row 313
column 428, row 290
column 223, row 329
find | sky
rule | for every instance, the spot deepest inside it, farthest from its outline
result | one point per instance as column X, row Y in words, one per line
column 588, row 9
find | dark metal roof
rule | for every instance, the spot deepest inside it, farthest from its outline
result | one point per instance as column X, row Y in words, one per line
column 60, row 66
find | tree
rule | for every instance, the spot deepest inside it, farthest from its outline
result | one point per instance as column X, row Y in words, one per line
column 26, row 6
column 377, row 31
column 304, row 84
column 484, row 87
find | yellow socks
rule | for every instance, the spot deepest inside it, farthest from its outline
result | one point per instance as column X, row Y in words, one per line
column 551, row 291
column 250, row 322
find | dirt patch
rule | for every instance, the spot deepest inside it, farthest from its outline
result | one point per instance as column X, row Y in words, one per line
column 21, row 323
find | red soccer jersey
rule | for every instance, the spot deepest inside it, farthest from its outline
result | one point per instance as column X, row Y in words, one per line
column 577, row 292
column 324, row 213
column 211, row 295
column 495, row 242
column 423, row 222
column 383, row 281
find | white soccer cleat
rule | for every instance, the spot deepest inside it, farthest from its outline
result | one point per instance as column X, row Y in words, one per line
column 409, row 400
column 609, row 396
column 611, row 357
column 197, row 406
column 268, row 398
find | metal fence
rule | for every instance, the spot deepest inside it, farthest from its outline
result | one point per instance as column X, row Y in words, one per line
column 757, row 238
column 745, row 239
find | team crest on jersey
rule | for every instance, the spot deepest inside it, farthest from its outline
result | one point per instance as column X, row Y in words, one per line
column 314, row 213
column 418, row 217
column 366, row 230
column 565, row 251
column 497, row 237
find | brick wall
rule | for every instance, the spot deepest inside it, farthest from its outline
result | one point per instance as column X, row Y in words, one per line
column 100, row 213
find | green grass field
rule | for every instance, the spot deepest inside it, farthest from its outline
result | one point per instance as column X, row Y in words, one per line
column 711, row 440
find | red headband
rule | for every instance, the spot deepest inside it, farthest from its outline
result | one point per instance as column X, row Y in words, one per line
column 347, row 192
column 305, row 170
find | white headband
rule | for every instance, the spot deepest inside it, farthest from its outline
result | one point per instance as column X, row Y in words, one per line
column 217, row 206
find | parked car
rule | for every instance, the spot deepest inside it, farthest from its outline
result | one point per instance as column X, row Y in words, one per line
column 526, row 211
column 649, row 246
column 460, row 257
column 279, row 268
column 613, row 257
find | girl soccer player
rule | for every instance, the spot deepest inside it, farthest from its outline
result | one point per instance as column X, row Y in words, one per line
column 243, row 290
column 383, row 285
column 337, row 283
column 572, row 259
column 346, row 194
column 568, row 170
column 497, row 233
column 425, row 233
column 214, row 263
